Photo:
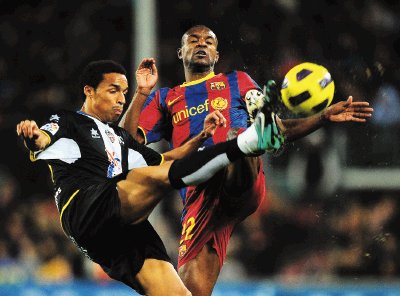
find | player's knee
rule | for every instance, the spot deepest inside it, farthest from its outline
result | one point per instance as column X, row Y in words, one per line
column 176, row 291
column 195, row 280
column 186, row 275
column 197, row 287
column 241, row 206
column 250, row 207
column 183, row 292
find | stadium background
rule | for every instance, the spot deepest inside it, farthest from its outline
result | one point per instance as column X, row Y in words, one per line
column 331, row 222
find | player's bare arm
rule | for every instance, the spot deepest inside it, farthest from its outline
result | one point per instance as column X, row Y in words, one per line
column 211, row 123
column 344, row 111
column 30, row 131
column 146, row 79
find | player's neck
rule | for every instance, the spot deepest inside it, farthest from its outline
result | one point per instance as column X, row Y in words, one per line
column 195, row 75
column 90, row 113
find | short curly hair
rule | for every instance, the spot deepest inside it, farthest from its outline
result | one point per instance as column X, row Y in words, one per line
column 93, row 73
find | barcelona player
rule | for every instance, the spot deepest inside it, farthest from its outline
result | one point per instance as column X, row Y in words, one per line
column 213, row 208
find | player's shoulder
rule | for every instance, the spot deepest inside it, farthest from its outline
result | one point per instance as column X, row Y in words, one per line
column 175, row 88
column 160, row 90
column 236, row 73
column 56, row 115
column 161, row 93
column 75, row 115
column 240, row 73
column 168, row 92
column 164, row 89
column 71, row 117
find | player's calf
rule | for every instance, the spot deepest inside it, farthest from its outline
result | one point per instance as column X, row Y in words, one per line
column 234, row 183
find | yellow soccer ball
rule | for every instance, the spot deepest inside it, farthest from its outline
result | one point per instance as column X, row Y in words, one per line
column 307, row 89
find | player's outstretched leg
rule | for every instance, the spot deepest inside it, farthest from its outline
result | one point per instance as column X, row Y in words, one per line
column 263, row 135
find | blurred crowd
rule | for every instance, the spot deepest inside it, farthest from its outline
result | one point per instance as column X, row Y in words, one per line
column 324, row 240
column 313, row 230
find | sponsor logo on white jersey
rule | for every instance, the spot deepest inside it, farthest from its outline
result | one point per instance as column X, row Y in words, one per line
column 110, row 135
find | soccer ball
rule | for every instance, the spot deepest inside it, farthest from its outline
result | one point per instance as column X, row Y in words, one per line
column 307, row 89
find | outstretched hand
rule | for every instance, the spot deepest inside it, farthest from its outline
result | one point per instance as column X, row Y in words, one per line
column 147, row 74
column 212, row 121
column 348, row 111
column 28, row 129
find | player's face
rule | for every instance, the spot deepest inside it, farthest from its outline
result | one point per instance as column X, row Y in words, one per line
column 108, row 99
column 199, row 49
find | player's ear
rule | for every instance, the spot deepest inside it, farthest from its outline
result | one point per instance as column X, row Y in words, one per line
column 88, row 91
column 179, row 52
column 217, row 57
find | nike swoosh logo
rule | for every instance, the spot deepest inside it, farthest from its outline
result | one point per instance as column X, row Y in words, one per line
column 169, row 103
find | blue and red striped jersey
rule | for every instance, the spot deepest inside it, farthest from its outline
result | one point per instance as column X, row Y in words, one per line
column 177, row 114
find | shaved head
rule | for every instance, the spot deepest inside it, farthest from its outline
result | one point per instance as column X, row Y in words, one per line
column 197, row 27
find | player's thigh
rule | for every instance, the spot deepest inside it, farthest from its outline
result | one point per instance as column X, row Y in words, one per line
column 241, row 175
column 152, row 177
column 159, row 277
column 244, row 192
column 142, row 190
